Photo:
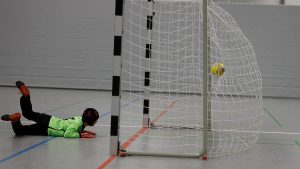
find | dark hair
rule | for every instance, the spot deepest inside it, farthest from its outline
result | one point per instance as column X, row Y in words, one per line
column 89, row 116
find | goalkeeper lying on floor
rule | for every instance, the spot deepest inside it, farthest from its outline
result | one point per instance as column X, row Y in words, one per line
column 46, row 125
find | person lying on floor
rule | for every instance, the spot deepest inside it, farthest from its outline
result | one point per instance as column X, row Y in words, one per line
column 46, row 125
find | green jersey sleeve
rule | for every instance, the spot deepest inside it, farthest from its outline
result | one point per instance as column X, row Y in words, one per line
column 72, row 132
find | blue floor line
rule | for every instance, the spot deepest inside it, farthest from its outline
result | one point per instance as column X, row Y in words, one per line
column 47, row 140
column 25, row 150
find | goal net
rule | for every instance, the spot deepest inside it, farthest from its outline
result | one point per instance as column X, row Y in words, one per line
column 162, row 81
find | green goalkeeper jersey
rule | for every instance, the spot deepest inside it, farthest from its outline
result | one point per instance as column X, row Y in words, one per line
column 68, row 128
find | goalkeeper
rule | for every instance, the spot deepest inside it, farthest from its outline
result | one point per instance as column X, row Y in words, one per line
column 46, row 125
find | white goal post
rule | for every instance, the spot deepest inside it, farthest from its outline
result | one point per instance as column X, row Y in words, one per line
column 165, row 99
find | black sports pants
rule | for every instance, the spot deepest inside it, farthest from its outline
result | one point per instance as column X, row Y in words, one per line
column 41, row 119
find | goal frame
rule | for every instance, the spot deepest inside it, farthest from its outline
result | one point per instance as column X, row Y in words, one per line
column 116, row 83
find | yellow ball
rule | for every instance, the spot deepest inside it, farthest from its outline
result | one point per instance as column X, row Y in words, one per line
column 218, row 69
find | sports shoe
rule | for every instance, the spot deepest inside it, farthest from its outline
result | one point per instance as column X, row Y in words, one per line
column 23, row 88
column 13, row 117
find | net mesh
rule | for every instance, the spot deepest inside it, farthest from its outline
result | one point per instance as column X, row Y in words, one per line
column 176, row 73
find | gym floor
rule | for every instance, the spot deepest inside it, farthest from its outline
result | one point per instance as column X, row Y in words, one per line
column 278, row 146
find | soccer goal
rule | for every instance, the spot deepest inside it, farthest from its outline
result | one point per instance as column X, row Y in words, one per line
column 167, row 98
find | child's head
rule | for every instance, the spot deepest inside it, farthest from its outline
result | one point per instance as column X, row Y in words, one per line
column 90, row 116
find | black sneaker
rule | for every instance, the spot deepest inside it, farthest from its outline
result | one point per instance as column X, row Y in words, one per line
column 23, row 88
column 13, row 117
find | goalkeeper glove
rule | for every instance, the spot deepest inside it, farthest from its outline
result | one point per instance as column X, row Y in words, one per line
column 86, row 135
column 90, row 132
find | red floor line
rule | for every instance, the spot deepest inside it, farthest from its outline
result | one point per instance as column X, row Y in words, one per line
column 163, row 112
column 135, row 136
column 106, row 162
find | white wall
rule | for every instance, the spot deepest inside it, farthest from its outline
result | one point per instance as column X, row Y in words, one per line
column 292, row 2
column 69, row 43
column 275, row 34
column 55, row 43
